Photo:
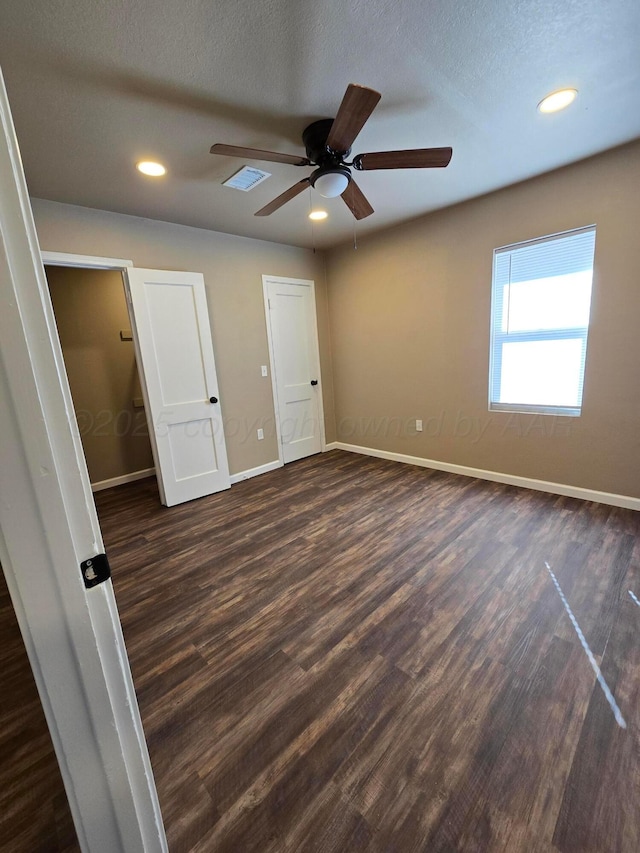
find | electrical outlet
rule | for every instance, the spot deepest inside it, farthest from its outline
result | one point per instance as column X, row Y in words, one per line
column 418, row 425
column 260, row 434
column 265, row 372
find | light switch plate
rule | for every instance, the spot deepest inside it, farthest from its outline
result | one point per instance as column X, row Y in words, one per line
column 265, row 372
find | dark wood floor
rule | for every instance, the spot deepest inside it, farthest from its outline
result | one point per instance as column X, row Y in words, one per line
column 34, row 812
column 351, row 655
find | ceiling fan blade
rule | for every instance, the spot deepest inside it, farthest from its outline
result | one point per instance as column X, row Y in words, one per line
column 356, row 201
column 356, row 107
column 283, row 198
column 257, row 154
column 414, row 158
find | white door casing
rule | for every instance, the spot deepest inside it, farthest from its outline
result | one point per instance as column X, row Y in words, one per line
column 48, row 525
column 175, row 355
column 295, row 365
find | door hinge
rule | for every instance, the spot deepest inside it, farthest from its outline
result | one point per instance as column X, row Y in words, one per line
column 95, row 570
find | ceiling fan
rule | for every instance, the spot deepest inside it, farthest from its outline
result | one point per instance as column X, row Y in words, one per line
column 328, row 143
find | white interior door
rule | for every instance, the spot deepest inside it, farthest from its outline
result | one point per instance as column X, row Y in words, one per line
column 48, row 529
column 175, row 356
column 293, row 339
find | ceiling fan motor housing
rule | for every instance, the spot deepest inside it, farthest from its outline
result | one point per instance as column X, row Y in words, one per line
column 314, row 139
column 332, row 175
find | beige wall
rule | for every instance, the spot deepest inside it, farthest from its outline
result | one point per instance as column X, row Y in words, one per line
column 91, row 311
column 409, row 318
column 233, row 269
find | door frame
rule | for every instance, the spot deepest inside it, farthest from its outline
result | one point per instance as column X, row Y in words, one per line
column 316, row 346
column 65, row 259
column 48, row 526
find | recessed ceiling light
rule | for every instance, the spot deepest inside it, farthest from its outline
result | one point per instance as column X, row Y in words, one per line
column 148, row 167
column 318, row 214
column 557, row 100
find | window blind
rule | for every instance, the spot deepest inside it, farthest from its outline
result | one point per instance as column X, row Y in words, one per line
column 541, row 299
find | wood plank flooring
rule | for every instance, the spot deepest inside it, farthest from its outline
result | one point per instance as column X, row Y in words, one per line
column 34, row 811
column 349, row 654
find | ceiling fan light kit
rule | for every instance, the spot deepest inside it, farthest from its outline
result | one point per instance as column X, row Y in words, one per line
column 331, row 182
column 328, row 143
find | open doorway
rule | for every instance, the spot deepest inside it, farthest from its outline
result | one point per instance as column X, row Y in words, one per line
column 170, row 329
column 97, row 343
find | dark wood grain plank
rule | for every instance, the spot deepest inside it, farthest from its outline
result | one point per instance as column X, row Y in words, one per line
column 351, row 654
column 34, row 810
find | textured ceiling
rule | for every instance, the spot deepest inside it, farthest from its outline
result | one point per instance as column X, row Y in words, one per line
column 96, row 86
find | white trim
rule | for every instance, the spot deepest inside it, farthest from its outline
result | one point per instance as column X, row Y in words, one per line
column 274, row 387
column 255, row 472
column 72, row 635
column 66, row 259
column 316, row 341
column 272, row 370
column 624, row 501
column 140, row 367
column 63, row 259
column 124, row 478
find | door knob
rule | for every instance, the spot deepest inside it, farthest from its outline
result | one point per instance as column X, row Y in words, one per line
column 314, row 381
column 213, row 399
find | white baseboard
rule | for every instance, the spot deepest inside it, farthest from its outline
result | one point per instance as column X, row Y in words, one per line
column 255, row 472
column 126, row 478
column 625, row 501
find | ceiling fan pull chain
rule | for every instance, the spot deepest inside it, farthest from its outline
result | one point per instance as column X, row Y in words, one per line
column 355, row 237
column 313, row 233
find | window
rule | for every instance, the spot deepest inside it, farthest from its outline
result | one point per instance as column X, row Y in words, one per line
column 541, row 299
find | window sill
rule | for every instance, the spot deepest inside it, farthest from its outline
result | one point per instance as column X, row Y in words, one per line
column 521, row 408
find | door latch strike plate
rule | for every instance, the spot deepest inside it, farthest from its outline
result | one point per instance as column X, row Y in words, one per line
column 95, row 570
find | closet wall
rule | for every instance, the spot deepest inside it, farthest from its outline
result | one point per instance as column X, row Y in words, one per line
column 95, row 332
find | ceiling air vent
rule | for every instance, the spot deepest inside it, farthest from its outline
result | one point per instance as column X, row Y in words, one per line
column 246, row 179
